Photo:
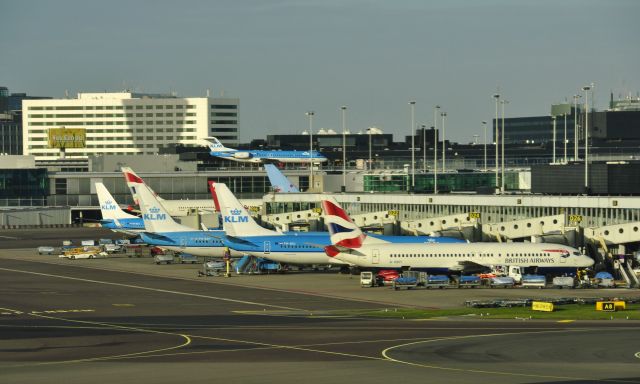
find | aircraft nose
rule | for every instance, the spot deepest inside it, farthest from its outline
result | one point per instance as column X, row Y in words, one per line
column 587, row 261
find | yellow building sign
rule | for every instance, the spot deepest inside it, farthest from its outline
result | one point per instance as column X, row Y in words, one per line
column 67, row 138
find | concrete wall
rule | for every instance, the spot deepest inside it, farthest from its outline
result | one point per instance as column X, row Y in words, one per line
column 34, row 217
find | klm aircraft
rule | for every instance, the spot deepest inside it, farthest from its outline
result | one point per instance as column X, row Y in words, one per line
column 259, row 155
column 113, row 217
column 162, row 231
column 244, row 235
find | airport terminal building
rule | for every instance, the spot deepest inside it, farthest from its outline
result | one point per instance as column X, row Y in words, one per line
column 126, row 123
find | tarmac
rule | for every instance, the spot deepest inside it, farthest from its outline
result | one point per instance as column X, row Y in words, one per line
column 128, row 320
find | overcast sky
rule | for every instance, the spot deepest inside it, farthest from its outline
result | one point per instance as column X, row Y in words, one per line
column 282, row 58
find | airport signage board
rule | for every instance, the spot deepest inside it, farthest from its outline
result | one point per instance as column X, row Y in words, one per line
column 560, row 109
column 474, row 215
column 575, row 218
column 542, row 306
column 67, row 137
column 610, row 306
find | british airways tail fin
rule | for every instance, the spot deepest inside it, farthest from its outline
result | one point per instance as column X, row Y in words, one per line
column 132, row 181
column 108, row 206
column 344, row 232
column 236, row 221
column 278, row 181
column 155, row 216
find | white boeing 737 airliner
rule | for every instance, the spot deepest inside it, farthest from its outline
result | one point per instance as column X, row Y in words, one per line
column 351, row 246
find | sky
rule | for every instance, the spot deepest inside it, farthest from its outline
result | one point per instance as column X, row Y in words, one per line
column 282, row 58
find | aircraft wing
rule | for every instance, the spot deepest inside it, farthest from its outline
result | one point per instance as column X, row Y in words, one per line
column 468, row 266
column 157, row 236
column 238, row 240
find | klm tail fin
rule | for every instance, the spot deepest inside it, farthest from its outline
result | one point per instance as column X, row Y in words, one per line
column 215, row 145
column 108, row 206
column 344, row 232
column 132, row 181
column 236, row 221
column 278, row 181
column 155, row 217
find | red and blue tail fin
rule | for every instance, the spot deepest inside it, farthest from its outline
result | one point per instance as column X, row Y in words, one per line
column 344, row 232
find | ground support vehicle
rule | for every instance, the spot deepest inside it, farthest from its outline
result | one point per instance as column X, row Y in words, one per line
column 187, row 258
column 45, row 250
column 534, row 281
column 387, row 276
column 469, row 281
column 437, row 281
column 213, row 268
column 368, row 279
column 166, row 258
column 410, row 280
column 502, row 281
column 86, row 252
column 604, row 280
column 563, row 282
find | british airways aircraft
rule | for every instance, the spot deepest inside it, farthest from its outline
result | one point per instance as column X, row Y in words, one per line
column 260, row 156
column 113, row 217
column 350, row 245
column 244, row 235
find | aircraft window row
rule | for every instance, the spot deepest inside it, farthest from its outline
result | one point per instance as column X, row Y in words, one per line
column 294, row 246
column 539, row 254
column 207, row 241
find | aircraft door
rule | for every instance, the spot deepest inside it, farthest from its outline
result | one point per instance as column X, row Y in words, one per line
column 183, row 243
column 375, row 256
column 564, row 256
column 267, row 247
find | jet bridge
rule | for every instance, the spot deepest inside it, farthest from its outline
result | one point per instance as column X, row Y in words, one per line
column 612, row 238
column 538, row 226
column 615, row 234
column 374, row 218
column 284, row 220
column 439, row 224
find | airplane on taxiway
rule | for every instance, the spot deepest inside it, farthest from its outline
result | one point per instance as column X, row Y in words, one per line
column 217, row 149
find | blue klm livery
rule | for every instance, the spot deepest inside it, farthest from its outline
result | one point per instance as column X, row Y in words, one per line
column 260, row 156
column 113, row 217
column 162, row 231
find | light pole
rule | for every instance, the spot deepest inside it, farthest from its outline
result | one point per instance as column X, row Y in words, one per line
column 370, row 159
column 497, row 135
column 586, row 138
column 484, row 125
column 444, row 144
column 412, row 104
column 575, row 127
column 344, row 148
column 424, row 148
column 435, row 160
column 503, row 102
column 310, row 114
column 553, row 118
column 565, row 138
